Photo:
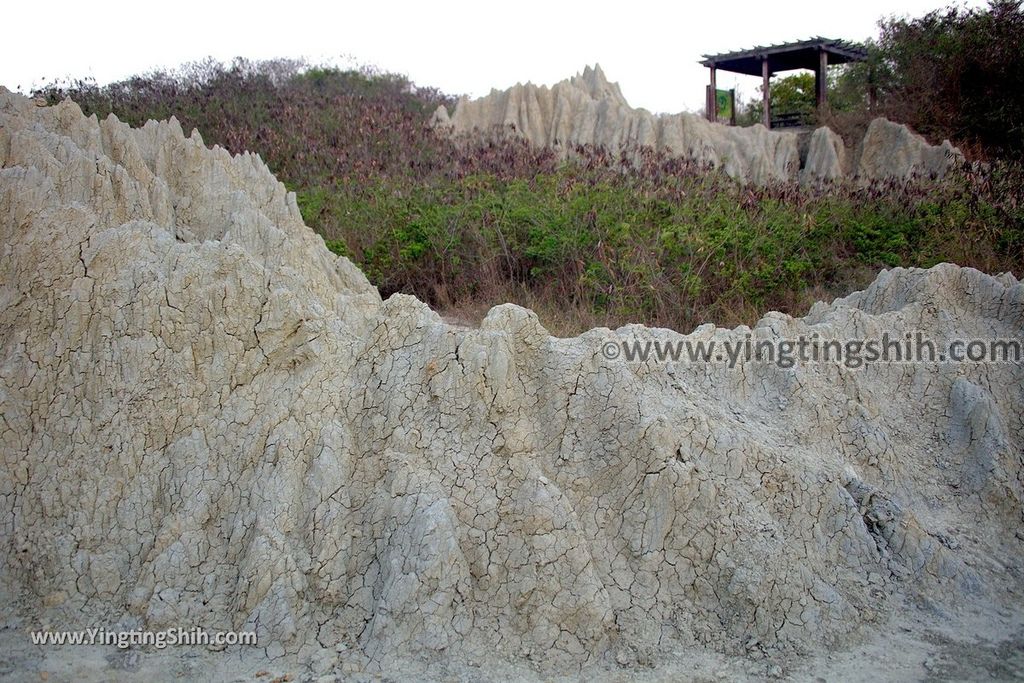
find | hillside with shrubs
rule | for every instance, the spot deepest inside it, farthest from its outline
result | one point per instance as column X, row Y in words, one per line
column 598, row 239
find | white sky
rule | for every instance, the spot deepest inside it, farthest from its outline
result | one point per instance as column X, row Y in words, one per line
column 650, row 48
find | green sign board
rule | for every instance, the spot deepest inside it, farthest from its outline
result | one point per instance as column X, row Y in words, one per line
column 723, row 99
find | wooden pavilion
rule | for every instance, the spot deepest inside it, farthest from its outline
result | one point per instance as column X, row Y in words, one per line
column 815, row 54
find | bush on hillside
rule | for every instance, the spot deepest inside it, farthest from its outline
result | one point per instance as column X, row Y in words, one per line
column 598, row 240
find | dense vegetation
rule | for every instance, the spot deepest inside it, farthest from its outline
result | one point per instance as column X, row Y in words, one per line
column 666, row 244
column 593, row 241
column 958, row 74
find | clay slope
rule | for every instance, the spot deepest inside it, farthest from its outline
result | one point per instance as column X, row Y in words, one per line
column 208, row 419
column 587, row 109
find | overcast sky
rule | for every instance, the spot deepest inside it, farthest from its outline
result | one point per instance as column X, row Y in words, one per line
column 650, row 48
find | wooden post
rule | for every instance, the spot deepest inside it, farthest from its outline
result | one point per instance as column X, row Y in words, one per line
column 713, row 97
column 821, row 82
column 872, row 91
column 767, row 117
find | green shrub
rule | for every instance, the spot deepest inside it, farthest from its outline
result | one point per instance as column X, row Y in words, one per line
column 592, row 241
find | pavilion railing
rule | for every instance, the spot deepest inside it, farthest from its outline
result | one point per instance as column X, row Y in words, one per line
column 791, row 119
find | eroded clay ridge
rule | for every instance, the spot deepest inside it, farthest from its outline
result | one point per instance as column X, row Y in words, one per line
column 208, row 419
column 587, row 109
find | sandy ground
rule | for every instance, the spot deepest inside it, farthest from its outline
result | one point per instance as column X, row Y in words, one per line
column 917, row 643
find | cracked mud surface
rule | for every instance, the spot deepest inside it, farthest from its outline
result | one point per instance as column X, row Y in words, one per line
column 209, row 419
